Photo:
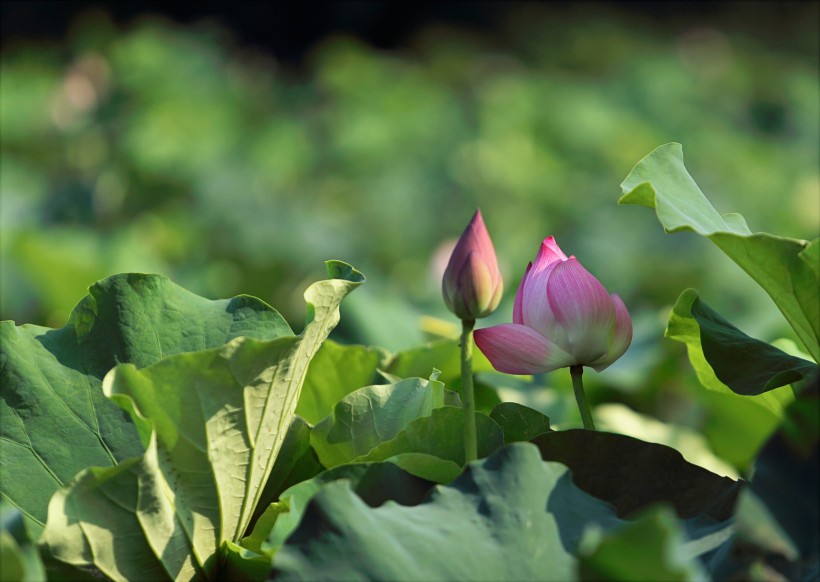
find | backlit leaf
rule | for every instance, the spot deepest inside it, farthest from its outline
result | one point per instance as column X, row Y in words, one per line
column 54, row 419
column 786, row 268
column 219, row 418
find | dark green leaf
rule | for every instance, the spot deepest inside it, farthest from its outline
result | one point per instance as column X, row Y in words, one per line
column 743, row 364
column 746, row 365
column 632, row 474
column 684, row 328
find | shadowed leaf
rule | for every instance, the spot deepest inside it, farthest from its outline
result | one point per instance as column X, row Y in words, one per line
column 508, row 517
column 632, row 474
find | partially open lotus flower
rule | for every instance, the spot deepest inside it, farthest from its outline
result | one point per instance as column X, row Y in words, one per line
column 472, row 284
column 562, row 316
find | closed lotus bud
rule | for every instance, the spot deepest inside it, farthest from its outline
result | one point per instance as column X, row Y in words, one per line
column 562, row 316
column 472, row 284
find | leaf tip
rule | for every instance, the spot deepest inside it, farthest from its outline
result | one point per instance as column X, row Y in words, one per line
column 642, row 194
column 341, row 270
column 636, row 189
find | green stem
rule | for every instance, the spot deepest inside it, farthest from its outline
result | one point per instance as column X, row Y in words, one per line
column 467, row 395
column 578, row 385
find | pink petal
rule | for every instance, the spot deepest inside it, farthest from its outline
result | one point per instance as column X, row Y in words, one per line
column 474, row 239
column 518, row 316
column 548, row 253
column 475, row 281
column 621, row 335
column 583, row 308
column 479, row 239
column 553, row 246
column 472, row 284
column 517, row 349
column 454, row 266
column 535, row 306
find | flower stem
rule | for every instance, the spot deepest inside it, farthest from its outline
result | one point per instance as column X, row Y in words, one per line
column 467, row 395
column 578, row 385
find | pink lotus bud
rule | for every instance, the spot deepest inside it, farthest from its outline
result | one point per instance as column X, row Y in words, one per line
column 562, row 317
column 472, row 284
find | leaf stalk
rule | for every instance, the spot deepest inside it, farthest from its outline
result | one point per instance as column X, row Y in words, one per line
column 467, row 392
column 576, row 372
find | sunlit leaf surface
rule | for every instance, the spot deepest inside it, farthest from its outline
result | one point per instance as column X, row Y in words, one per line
column 372, row 415
column 660, row 181
column 55, row 419
column 216, row 421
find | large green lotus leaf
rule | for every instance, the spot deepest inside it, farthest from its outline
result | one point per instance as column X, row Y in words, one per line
column 786, row 268
column 218, row 420
column 372, row 415
column 374, row 483
column 54, row 419
column 519, row 422
column 653, row 547
column 508, row 517
column 727, row 360
column 335, row 371
column 632, row 474
column 441, row 435
column 692, row 444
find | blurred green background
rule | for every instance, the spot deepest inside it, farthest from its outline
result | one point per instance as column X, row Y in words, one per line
column 145, row 144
